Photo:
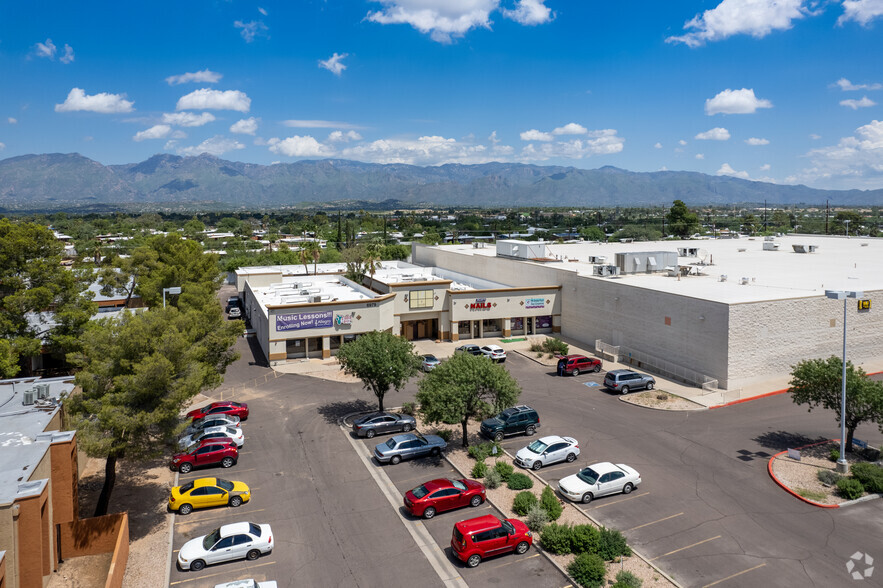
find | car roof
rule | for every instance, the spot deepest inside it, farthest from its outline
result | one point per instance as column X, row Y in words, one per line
column 216, row 441
column 573, row 357
column 236, row 528
column 429, row 356
column 404, row 437
column 553, row 439
column 604, row 467
column 438, row 484
column 478, row 524
column 200, row 482
column 493, row 347
column 619, row 372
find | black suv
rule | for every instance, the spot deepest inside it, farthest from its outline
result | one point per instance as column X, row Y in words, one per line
column 512, row 421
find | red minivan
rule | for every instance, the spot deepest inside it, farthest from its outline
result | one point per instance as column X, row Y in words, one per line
column 443, row 494
column 487, row 536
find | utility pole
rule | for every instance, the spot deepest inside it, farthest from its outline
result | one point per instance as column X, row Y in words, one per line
column 826, row 217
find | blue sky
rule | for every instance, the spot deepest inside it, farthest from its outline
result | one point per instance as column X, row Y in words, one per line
column 788, row 91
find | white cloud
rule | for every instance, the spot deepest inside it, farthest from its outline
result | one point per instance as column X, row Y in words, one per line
column 262, row 11
column 206, row 99
column 12, row 120
column 250, row 30
column 861, row 11
column 246, row 126
column 699, row 156
column 682, row 142
column 299, row 146
column 442, row 19
column 658, row 146
column 341, row 137
column 105, row 103
column 856, row 104
column 204, row 76
column 428, row 150
column 154, row 132
column 735, row 102
column 187, row 119
column 530, row 12
column 848, row 86
column 757, row 18
column 68, row 56
column 715, row 134
column 856, row 160
column 765, row 167
column 755, row 141
column 726, row 170
column 319, row 124
column 2, row 146
column 535, row 135
column 815, row 137
column 46, row 49
column 600, row 142
column 570, row 129
column 217, row 145
column 334, row 63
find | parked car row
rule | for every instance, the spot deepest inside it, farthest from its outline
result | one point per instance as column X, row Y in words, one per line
column 213, row 437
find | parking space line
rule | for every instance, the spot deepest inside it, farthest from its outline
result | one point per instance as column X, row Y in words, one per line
column 734, row 575
column 618, row 501
column 227, row 573
column 194, row 472
column 216, row 515
column 654, row 522
column 509, row 563
column 687, row 547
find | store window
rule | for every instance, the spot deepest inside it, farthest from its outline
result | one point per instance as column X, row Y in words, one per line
column 491, row 326
column 420, row 299
column 517, row 324
column 463, row 328
column 544, row 322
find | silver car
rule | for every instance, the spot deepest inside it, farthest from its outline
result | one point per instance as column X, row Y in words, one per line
column 383, row 422
column 625, row 381
column 408, row 446
column 212, row 420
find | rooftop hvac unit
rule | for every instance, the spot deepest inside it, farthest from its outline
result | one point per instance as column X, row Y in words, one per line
column 42, row 391
column 744, row 281
column 723, row 278
column 597, row 259
column 770, row 246
column 304, row 292
column 768, row 238
column 605, row 270
column 29, row 396
column 315, row 299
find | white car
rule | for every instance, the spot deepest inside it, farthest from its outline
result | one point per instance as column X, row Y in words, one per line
column 494, row 352
column 212, row 420
column 547, row 450
column 247, row 584
column 229, row 542
column 224, row 432
column 599, row 479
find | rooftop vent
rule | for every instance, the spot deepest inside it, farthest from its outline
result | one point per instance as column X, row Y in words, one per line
column 29, row 397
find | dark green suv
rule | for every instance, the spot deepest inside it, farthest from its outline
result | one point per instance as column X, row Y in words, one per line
column 512, row 421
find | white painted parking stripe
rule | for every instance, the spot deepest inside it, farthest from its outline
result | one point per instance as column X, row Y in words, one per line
column 733, row 576
column 654, row 522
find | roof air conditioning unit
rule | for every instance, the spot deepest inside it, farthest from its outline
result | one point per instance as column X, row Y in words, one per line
column 744, row 281
column 723, row 278
column 42, row 391
column 315, row 299
column 29, row 396
column 599, row 270
column 304, row 292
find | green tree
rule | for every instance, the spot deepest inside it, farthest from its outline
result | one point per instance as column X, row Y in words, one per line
column 592, row 233
column 137, row 373
column 682, row 222
column 750, row 224
column 381, row 360
column 818, row 382
column 464, row 387
column 638, row 233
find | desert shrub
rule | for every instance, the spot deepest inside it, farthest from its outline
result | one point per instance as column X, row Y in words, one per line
column 585, row 539
column 481, row 451
column 834, row 455
column 479, row 470
column 556, row 538
column 828, row 477
column 555, row 346
column 444, row 434
column 504, row 469
column 536, row 518
column 869, row 475
column 409, row 408
column 626, row 579
column 519, row 481
column 492, row 479
column 523, row 501
column 612, row 544
column 550, row 503
column 588, row 570
column 536, row 346
column 850, row 488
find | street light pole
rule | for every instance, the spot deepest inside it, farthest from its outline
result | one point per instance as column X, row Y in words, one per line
column 173, row 290
column 842, row 464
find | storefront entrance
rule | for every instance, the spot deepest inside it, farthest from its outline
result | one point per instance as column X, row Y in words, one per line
column 425, row 329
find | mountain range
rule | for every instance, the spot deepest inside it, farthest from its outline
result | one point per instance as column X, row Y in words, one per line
column 73, row 182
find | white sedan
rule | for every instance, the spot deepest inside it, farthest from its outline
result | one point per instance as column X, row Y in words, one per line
column 223, row 432
column 547, row 450
column 229, row 542
column 599, row 479
column 247, row 584
column 494, row 352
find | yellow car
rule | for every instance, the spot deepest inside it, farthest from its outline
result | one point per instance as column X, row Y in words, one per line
column 205, row 492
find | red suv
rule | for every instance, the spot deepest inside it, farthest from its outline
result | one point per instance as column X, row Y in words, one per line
column 576, row 364
column 239, row 409
column 486, row 536
column 443, row 494
column 208, row 452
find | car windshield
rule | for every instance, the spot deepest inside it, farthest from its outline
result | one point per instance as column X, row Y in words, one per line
column 588, row 475
column 458, row 484
column 231, row 430
column 225, row 484
column 537, row 446
column 391, row 443
column 186, row 488
column 430, row 358
column 254, row 529
column 420, row 491
column 510, row 528
column 209, row 540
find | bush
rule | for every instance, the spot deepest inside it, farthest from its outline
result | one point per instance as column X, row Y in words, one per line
column 504, row 469
column 523, row 501
column 869, row 475
column 519, row 481
column 588, row 570
column 626, row 579
column 834, row 455
column 445, row 434
column 536, row 518
column 409, row 408
column 492, row 479
column 479, row 470
column 828, row 477
column 551, row 504
column 612, row 544
column 555, row 346
column 536, row 347
column 585, row 539
column 482, row 451
column 850, row 488
column 556, row 538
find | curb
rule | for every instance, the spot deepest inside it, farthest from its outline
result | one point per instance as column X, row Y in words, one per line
column 171, row 539
column 749, row 399
column 862, row 499
column 699, row 407
column 789, row 490
column 533, row 359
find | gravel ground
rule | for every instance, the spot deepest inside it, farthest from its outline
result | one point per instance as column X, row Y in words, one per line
column 802, row 476
column 662, row 400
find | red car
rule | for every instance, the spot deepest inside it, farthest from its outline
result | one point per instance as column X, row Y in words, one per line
column 208, row 452
column 440, row 495
column 486, row 536
column 576, row 364
column 239, row 409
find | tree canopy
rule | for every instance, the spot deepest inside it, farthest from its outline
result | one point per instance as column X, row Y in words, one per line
column 682, row 222
column 818, row 382
column 464, row 387
column 381, row 360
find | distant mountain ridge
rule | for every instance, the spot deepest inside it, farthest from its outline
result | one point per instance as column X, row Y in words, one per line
column 73, row 182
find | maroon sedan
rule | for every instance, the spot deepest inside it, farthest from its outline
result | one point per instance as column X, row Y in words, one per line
column 443, row 494
column 207, row 452
column 239, row 409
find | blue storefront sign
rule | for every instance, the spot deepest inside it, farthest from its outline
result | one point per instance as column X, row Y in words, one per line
column 535, row 303
column 304, row 320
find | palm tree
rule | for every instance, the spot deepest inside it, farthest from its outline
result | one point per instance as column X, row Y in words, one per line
column 314, row 251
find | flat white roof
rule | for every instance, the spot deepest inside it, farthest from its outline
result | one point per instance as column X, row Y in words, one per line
column 838, row 263
column 414, row 273
column 305, row 289
column 300, row 270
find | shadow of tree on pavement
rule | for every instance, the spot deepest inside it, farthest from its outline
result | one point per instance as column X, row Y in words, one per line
column 334, row 411
column 782, row 440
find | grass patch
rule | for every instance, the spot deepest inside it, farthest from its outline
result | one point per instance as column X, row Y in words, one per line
column 514, row 340
column 811, row 494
